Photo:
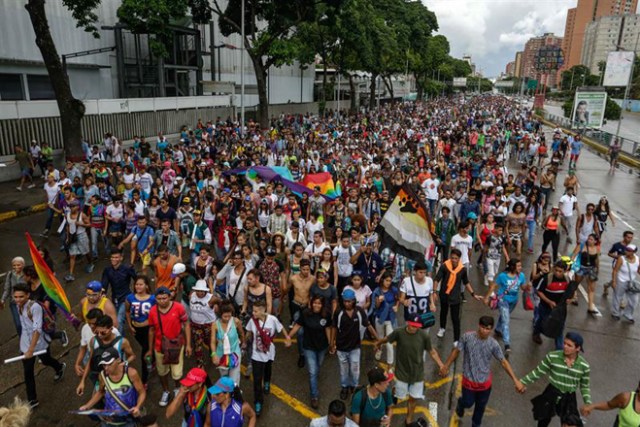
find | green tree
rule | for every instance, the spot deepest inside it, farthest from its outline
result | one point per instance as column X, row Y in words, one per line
column 71, row 109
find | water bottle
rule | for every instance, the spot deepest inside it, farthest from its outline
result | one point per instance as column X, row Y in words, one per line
column 149, row 363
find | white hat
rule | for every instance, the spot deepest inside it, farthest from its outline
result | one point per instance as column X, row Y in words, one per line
column 201, row 285
column 179, row 268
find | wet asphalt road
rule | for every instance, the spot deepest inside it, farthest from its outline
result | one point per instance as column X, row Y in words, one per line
column 612, row 347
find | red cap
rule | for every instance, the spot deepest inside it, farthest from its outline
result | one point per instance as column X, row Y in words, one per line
column 195, row 376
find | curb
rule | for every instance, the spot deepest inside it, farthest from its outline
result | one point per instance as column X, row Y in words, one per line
column 6, row 216
column 622, row 158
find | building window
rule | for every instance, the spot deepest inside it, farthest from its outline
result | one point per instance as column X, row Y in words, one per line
column 40, row 87
column 11, row 87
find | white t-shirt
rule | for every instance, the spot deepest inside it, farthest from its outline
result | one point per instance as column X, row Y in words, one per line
column 422, row 289
column 343, row 257
column 430, row 187
column 272, row 326
column 52, row 192
column 566, row 204
column 361, row 294
column 115, row 212
column 464, row 244
column 312, row 228
column 86, row 334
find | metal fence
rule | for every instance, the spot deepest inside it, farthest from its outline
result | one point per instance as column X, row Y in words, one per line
column 630, row 147
column 123, row 125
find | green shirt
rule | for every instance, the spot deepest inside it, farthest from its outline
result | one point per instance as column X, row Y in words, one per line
column 409, row 354
column 23, row 160
column 187, row 284
column 374, row 409
column 47, row 153
column 562, row 377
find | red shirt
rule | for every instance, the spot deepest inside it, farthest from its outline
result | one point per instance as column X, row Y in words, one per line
column 172, row 322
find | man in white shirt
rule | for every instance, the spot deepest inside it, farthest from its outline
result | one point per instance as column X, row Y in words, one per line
column 430, row 187
column 568, row 203
column 342, row 254
column 516, row 197
column 315, row 248
column 447, row 201
column 416, row 292
column 337, row 416
column 464, row 243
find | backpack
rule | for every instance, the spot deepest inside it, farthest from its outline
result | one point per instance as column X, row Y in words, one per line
column 97, row 351
column 48, row 319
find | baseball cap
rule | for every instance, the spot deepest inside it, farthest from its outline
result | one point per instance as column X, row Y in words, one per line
column 414, row 321
column 555, row 207
column 186, row 200
column 109, row 356
column 94, row 286
column 576, row 338
column 348, row 294
column 179, row 268
column 223, row 385
column 197, row 212
column 632, row 248
column 271, row 251
column 378, row 375
column 163, row 290
column 472, row 215
column 195, row 376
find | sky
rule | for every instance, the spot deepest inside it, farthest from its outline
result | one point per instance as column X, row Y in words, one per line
column 492, row 31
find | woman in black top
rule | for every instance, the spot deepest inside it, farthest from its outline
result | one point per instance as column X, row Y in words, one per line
column 316, row 322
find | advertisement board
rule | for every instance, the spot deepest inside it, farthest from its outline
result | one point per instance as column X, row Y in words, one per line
column 459, row 82
column 618, row 68
column 504, row 83
column 588, row 109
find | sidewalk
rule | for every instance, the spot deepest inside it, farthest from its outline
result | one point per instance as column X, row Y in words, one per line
column 14, row 203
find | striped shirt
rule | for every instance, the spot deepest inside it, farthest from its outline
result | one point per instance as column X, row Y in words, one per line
column 562, row 377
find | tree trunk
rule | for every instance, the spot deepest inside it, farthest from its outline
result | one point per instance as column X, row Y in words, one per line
column 419, row 87
column 372, row 92
column 261, row 82
column 71, row 109
column 323, row 92
column 389, row 84
column 353, row 108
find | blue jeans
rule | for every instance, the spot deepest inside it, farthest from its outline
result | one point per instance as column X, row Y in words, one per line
column 531, row 227
column 16, row 317
column 349, row 367
column 470, row 398
column 50, row 215
column 300, row 334
column 121, row 309
column 96, row 233
column 505, row 309
column 314, row 362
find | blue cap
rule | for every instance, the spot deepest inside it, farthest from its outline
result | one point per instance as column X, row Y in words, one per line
column 163, row 290
column 348, row 294
column 223, row 385
column 472, row 215
column 95, row 286
column 576, row 338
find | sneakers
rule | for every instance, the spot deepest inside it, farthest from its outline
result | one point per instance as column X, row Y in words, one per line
column 440, row 333
column 455, row 343
column 267, row 388
column 301, row 361
column 34, row 404
column 536, row 338
column 344, row 393
column 60, row 373
column 258, row 408
column 507, row 351
column 614, row 317
column 69, row 278
column 378, row 354
column 45, row 233
column 31, row 186
column 164, row 400
column 64, row 338
column 19, row 188
column 89, row 268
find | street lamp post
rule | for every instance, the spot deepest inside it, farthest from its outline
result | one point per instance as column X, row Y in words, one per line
column 242, row 71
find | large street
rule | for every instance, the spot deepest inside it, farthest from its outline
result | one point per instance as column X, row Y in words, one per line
column 611, row 348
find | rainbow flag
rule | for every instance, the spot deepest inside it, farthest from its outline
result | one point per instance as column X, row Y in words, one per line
column 48, row 280
column 325, row 182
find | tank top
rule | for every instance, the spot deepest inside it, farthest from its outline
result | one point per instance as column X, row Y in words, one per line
column 628, row 270
column 232, row 336
column 552, row 224
column 100, row 305
column 252, row 298
column 231, row 417
column 588, row 227
column 628, row 416
column 295, row 268
column 201, row 313
column 123, row 389
column 587, row 259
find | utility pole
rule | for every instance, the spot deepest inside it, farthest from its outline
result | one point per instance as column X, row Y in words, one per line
column 242, row 52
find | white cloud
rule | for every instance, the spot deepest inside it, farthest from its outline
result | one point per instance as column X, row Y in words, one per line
column 492, row 31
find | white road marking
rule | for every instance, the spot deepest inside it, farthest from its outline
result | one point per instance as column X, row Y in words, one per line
column 622, row 220
column 433, row 410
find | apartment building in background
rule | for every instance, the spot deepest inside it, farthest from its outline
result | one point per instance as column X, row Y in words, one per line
column 531, row 48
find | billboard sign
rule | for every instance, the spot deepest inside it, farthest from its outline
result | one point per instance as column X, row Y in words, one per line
column 459, row 82
column 588, row 109
column 618, row 68
column 505, row 83
column 549, row 59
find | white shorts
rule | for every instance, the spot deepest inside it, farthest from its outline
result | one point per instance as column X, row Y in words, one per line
column 493, row 267
column 415, row 390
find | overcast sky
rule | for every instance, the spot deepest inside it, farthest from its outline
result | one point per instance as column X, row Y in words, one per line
column 492, row 31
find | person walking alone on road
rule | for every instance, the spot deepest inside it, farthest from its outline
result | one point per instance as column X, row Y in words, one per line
column 624, row 281
column 479, row 350
column 568, row 371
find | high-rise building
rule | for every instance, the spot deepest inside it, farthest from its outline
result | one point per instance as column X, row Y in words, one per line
column 509, row 70
column 531, row 48
column 518, row 66
column 585, row 12
column 605, row 35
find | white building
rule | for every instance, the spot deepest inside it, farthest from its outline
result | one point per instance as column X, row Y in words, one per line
column 24, row 77
column 607, row 34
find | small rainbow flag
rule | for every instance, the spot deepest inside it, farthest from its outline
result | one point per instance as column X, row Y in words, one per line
column 48, row 280
column 325, row 182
